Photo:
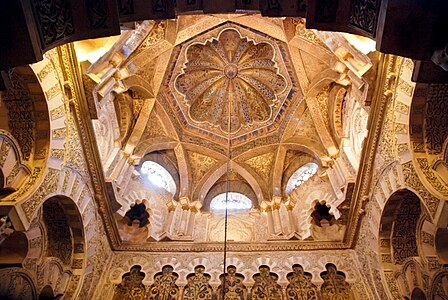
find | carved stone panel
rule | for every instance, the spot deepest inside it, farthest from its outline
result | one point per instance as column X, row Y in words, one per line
column 363, row 15
column 266, row 286
column 335, row 287
column 404, row 235
column 131, row 286
column 164, row 286
column 58, row 232
column 198, row 286
column 55, row 20
column 232, row 287
column 300, row 286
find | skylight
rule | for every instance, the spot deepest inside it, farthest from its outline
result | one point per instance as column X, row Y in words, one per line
column 236, row 202
column 301, row 175
column 158, row 176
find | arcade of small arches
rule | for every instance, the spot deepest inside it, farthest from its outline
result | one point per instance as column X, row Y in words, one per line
column 336, row 187
column 233, row 285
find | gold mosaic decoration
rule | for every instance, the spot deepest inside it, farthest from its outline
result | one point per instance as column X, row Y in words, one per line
column 200, row 165
column 262, row 164
column 230, row 68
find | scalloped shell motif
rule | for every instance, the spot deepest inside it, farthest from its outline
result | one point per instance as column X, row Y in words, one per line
column 230, row 73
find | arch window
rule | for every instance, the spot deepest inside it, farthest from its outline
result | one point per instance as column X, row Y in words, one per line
column 236, row 202
column 301, row 175
column 158, row 176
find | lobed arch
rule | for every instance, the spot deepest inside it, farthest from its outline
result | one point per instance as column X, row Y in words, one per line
column 153, row 217
column 304, row 206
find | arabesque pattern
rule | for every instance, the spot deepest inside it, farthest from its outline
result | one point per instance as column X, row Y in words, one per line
column 198, row 287
column 164, row 286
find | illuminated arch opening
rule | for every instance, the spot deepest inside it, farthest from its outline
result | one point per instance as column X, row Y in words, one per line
column 158, row 176
column 301, row 175
column 236, row 202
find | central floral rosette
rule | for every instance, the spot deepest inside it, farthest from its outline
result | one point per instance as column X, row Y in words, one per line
column 230, row 72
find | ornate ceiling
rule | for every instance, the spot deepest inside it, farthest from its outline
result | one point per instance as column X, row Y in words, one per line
column 165, row 93
column 233, row 68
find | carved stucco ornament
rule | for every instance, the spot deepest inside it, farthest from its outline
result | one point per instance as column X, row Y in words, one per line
column 235, row 69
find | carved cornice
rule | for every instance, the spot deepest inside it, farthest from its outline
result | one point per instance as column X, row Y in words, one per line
column 79, row 106
column 386, row 82
column 182, row 246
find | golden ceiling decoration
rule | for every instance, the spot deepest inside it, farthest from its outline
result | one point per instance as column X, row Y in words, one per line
column 262, row 164
column 200, row 164
column 235, row 69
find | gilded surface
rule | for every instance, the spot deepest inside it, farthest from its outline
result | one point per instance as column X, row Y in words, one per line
column 266, row 286
column 230, row 72
column 232, row 287
column 262, row 164
column 164, row 286
column 200, row 165
column 300, row 286
column 230, row 67
column 335, row 287
column 198, row 286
